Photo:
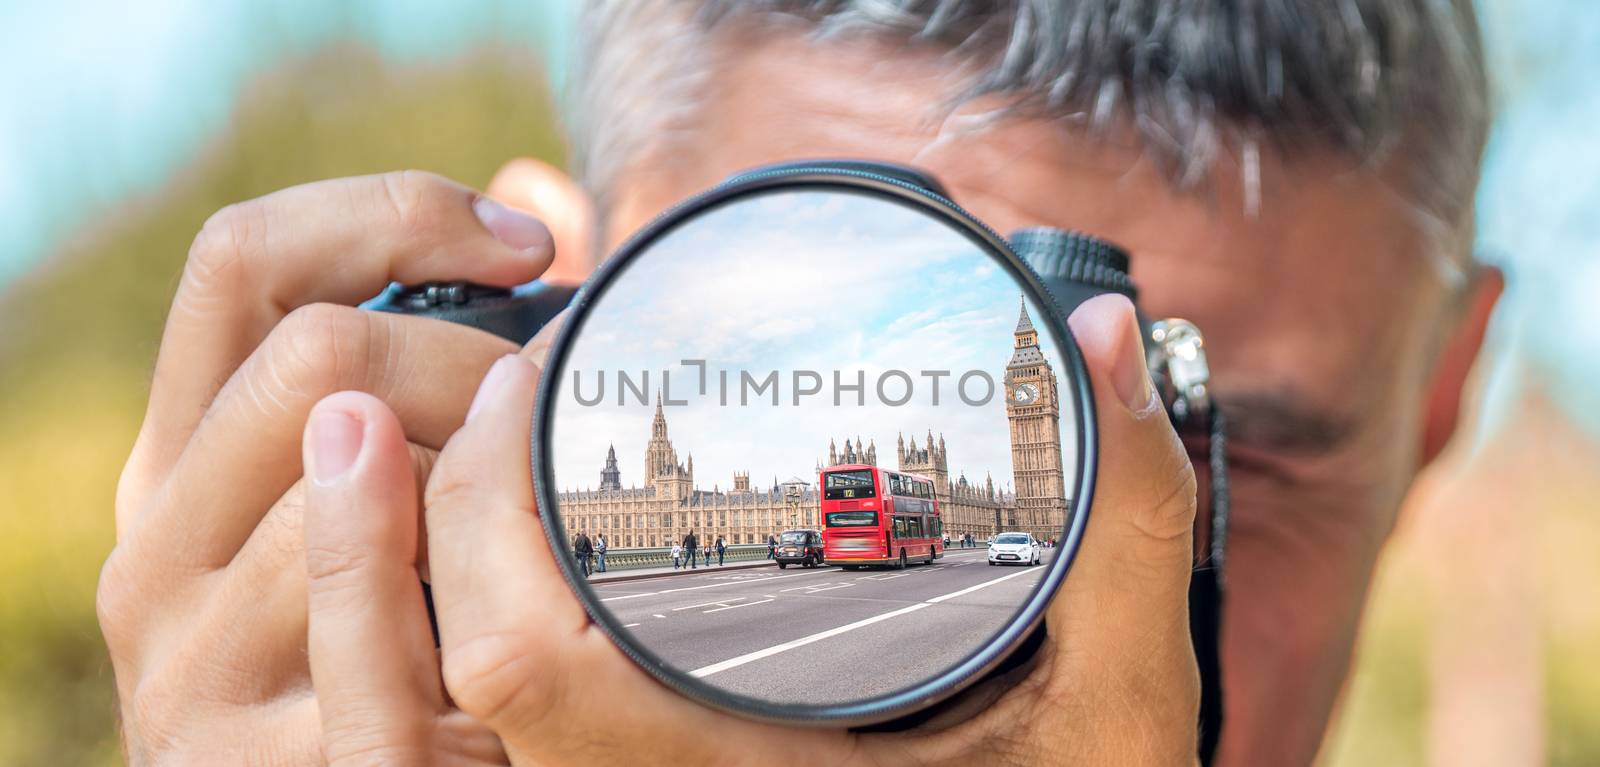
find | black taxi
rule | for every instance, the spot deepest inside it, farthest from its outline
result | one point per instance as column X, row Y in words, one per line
column 799, row 547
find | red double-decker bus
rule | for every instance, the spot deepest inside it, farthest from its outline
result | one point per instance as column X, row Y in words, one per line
column 873, row 516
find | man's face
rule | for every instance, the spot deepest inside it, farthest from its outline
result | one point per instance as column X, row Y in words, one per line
column 1320, row 315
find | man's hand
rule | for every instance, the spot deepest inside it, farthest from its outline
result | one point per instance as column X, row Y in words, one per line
column 1115, row 682
column 203, row 601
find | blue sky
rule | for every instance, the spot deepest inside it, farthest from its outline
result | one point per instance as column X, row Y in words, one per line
column 763, row 285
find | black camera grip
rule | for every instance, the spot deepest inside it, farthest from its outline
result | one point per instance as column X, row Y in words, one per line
column 515, row 314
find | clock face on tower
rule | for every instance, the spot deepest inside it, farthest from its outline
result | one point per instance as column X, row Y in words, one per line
column 1025, row 394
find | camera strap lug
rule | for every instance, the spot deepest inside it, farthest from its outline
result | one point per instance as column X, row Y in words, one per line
column 1177, row 360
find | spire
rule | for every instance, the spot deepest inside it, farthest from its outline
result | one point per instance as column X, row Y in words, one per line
column 658, row 427
column 611, row 476
column 1026, row 353
column 1024, row 323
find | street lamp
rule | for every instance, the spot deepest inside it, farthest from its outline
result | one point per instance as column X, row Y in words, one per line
column 794, row 493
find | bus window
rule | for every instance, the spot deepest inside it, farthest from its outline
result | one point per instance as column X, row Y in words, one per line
column 852, row 519
column 848, row 484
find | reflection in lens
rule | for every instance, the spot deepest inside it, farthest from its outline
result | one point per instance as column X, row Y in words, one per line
column 810, row 428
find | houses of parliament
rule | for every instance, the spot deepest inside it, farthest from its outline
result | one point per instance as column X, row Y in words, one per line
column 668, row 504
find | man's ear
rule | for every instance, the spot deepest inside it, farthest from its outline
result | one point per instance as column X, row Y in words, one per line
column 565, row 208
column 1455, row 361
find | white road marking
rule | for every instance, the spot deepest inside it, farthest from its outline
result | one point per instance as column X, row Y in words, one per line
column 735, row 607
column 707, row 604
column 750, row 657
column 630, row 625
column 659, row 615
column 819, row 587
column 705, row 671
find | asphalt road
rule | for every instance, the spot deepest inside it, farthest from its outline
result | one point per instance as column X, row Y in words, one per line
column 822, row 635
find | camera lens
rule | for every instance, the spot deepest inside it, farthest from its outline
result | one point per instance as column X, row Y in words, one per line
column 815, row 448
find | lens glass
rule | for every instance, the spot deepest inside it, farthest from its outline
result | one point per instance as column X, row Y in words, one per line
column 830, row 443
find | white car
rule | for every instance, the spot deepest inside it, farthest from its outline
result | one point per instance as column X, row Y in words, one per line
column 1014, row 549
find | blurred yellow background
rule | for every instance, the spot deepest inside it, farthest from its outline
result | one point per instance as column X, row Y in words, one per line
column 1482, row 642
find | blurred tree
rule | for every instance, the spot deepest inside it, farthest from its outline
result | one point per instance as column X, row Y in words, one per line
column 80, row 335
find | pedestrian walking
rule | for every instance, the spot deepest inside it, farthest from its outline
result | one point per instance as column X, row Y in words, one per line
column 600, row 553
column 708, row 556
column 772, row 547
column 690, row 545
column 721, row 547
column 677, row 554
column 584, row 548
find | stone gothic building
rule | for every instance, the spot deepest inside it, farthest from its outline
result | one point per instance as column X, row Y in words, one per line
column 668, row 504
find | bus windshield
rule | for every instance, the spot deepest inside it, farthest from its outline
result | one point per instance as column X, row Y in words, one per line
column 852, row 519
column 848, row 484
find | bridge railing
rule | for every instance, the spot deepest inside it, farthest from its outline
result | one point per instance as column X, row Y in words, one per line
column 631, row 559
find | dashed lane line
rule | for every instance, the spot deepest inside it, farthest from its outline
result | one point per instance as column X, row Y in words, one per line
column 735, row 607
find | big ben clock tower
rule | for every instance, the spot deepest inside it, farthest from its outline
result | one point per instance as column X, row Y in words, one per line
column 1035, row 415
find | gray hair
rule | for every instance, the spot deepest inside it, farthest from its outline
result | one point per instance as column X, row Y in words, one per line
column 1194, row 79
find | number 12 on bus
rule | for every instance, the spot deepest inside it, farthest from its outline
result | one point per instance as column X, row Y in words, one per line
column 873, row 516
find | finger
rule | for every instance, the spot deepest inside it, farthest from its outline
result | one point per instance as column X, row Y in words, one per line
column 266, row 585
column 518, row 651
column 1141, row 525
column 426, row 370
column 1119, row 628
column 498, row 591
column 338, row 241
column 368, row 641
column 552, row 196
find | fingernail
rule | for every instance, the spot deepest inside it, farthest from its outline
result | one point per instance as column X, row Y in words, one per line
column 1131, row 376
column 335, row 443
column 1112, row 316
column 496, row 380
column 512, row 227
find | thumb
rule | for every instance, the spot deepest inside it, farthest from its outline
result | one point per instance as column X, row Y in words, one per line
column 1141, row 527
column 1122, row 616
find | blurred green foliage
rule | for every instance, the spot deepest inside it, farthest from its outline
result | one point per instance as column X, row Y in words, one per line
column 78, row 339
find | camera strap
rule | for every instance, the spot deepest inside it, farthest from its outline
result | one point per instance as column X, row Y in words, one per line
column 1206, row 589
